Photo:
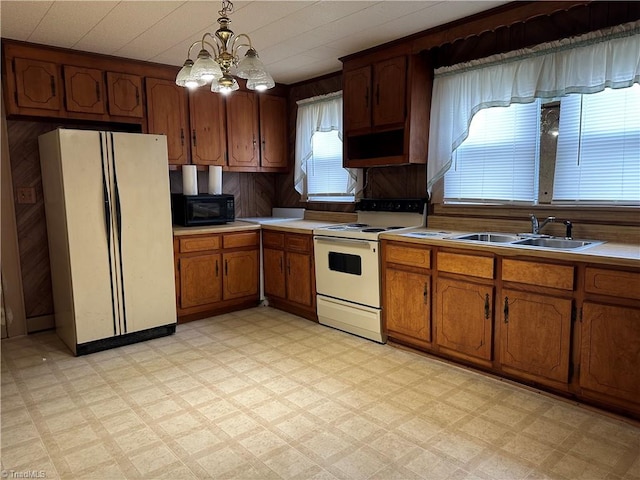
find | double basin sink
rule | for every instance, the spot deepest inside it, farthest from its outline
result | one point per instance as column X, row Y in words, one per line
column 528, row 240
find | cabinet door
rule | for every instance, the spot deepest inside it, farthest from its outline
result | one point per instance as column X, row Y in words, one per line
column 167, row 115
column 208, row 127
column 242, row 130
column 200, row 280
column 408, row 303
column 84, row 90
column 357, row 98
column 299, row 278
column 273, row 131
column 535, row 334
column 241, row 271
column 389, row 84
column 464, row 320
column 125, row 95
column 610, row 359
column 274, row 277
column 37, row 84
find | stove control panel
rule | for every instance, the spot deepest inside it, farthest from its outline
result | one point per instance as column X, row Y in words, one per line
column 410, row 205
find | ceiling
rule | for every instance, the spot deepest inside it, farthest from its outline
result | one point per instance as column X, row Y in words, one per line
column 297, row 40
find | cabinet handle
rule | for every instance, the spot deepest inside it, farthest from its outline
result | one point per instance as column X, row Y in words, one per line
column 137, row 97
column 226, row 268
column 506, row 309
column 378, row 94
column 425, row 293
column 53, row 85
column 98, row 91
column 182, row 137
column 366, row 97
column 289, row 267
column 193, row 137
column 216, row 268
column 486, row 307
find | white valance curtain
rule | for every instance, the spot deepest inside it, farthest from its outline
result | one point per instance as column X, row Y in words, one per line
column 317, row 114
column 584, row 64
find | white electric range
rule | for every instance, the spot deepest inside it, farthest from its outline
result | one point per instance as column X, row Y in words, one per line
column 347, row 262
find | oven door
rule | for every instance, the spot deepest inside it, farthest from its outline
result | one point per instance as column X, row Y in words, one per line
column 348, row 269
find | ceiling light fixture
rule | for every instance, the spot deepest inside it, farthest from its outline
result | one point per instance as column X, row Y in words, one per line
column 218, row 55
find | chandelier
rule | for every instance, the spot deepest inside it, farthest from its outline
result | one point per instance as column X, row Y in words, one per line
column 218, row 55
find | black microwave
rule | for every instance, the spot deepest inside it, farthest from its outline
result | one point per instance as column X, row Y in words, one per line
column 196, row 210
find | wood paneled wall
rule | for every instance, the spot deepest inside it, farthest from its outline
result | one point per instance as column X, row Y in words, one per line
column 254, row 193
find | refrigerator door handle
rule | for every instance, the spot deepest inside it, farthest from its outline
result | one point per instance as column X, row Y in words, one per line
column 119, row 232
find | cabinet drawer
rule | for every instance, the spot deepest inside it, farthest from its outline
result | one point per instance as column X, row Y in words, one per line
column 472, row 265
column 243, row 239
column 199, row 243
column 612, row 282
column 541, row 274
column 272, row 239
column 298, row 243
column 414, row 257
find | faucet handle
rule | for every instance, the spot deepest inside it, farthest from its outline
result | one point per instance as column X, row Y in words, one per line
column 569, row 226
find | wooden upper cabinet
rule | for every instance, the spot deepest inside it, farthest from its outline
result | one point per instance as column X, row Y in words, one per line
column 208, row 127
column 84, row 90
column 37, row 84
column 357, row 98
column 242, row 131
column 125, row 95
column 167, row 115
column 389, row 83
column 273, row 131
column 374, row 95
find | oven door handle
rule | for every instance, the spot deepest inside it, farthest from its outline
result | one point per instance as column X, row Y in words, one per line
column 349, row 241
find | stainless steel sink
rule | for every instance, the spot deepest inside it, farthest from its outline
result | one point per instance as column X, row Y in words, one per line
column 559, row 243
column 487, row 237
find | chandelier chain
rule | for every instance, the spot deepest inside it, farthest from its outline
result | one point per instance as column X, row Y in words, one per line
column 227, row 7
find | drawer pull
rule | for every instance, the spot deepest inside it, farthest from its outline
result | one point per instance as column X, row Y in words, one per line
column 487, row 311
column 506, row 309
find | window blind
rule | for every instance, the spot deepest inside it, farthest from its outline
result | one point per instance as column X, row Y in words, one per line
column 326, row 179
column 598, row 157
column 498, row 161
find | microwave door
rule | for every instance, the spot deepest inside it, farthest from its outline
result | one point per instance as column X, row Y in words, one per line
column 205, row 211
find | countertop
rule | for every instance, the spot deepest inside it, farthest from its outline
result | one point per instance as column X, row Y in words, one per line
column 227, row 227
column 609, row 253
column 298, row 226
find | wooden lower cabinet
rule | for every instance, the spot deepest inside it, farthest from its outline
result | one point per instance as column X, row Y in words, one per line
column 289, row 272
column 406, row 286
column 610, row 357
column 464, row 319
column 610, row 328
column 535, row 337
column 216, row 273
column 200, row 280
column 408, row 304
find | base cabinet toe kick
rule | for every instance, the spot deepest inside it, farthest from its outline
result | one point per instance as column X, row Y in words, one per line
column 566, row 327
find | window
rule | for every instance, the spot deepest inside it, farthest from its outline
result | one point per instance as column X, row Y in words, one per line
column 597, row 158
column 327, row 181
column 499, row 159
column 319, row 174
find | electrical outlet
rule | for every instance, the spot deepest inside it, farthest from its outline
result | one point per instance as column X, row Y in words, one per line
column 26, row 195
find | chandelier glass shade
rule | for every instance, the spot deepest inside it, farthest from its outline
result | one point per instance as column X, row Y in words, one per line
column 218, row 55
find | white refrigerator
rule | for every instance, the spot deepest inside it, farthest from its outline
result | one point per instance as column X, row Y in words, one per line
column 108, row 211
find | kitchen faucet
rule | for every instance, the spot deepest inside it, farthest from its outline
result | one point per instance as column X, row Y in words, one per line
column 536, row 226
